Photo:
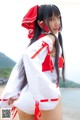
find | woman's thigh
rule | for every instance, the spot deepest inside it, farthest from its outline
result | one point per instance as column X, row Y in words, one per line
column 24, row 116
column 54, row 114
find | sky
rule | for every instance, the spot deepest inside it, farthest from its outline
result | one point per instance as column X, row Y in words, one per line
column 13, row 37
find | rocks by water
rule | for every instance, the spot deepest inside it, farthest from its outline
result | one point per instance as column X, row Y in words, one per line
column 3, row 81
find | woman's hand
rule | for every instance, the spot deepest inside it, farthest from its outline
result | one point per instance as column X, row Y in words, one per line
column 11, row 100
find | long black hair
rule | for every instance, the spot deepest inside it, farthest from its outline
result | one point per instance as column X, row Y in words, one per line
column 46, row 12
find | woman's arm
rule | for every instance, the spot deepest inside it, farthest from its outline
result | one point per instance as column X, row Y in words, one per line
column 39, row 84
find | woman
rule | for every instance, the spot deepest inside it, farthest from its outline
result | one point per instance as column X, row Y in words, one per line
column 33, row 87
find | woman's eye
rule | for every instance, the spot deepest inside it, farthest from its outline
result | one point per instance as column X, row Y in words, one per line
column 54, row 19
column 51, row 19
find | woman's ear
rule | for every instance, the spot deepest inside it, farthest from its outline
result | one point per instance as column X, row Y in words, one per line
column 40, row 23
column 43, row 26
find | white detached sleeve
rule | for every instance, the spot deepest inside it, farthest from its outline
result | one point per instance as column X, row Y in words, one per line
column 12, row 87
column 39, row 84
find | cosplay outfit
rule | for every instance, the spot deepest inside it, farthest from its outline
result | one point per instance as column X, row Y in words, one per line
column 42, row 91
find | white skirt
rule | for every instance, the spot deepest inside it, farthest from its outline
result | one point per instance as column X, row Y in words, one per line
column 26, row 102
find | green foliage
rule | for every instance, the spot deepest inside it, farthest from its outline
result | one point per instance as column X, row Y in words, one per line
column 6, row 65
column 5, row 72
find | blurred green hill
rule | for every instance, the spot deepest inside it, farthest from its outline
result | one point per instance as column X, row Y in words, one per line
column 6, row 65
column 6, row 62
column 68, row 84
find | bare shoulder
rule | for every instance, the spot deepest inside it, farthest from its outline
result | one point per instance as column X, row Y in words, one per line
column 52, row 38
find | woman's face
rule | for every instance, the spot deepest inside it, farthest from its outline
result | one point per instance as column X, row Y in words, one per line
column 54, row 24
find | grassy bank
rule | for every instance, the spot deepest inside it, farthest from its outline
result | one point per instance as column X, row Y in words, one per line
column 5, row 72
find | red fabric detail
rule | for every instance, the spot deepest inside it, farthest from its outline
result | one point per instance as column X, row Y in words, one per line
column 3, row 100
column 47, row 65
column 45, row 100
column 44, row 44
column 60, row 62
column 18, row 94
column 41, row 35
column 37, row 111
column 13, row 112
column 7, row 99
column 44, row 26
column 29, row 20
column 57, row 85
column 31, row 33
column 56, row 99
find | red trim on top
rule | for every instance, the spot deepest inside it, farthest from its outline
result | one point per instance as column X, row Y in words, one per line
column 41, row 35
column 44, row 44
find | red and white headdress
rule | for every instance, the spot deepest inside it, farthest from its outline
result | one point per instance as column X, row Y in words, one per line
column 29, row 20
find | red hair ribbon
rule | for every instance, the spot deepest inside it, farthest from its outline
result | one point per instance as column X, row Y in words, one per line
column 29, row 20
column 44, row 26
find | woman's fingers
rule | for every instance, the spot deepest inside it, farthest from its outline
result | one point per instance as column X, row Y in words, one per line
column 10, row 101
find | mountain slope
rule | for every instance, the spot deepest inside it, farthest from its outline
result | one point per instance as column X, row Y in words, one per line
column 6, row 62
column 68, row 84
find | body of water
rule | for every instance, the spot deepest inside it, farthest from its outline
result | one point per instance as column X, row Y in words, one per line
column 71, row 103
